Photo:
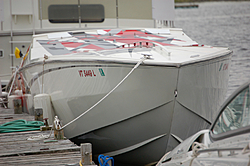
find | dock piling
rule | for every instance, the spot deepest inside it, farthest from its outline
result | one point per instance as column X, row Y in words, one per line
column 17, row 106
column 86, row 154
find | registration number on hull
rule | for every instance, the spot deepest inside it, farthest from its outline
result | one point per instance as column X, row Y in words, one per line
column 90, row 73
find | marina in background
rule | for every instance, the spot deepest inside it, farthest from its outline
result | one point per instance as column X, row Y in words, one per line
column 237, row 40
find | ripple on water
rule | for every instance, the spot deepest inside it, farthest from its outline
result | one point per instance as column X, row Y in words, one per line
column 222, row 24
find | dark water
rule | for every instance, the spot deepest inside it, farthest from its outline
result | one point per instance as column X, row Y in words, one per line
column 221, row 24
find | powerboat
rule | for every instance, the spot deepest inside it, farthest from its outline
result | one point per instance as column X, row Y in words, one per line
column 126, row 91
column 225, row 143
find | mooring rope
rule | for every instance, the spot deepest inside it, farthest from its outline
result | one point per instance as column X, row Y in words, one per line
column 137, row 64
column 39, row 137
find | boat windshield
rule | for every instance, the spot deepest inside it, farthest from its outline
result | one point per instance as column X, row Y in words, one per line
column 235, row 115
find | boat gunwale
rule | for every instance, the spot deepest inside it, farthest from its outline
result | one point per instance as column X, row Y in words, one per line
column 173, row 65
column 127, row 61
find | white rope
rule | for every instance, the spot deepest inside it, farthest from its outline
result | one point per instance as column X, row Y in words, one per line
column 39, row 137
column 138, row 63
column 13, row 80
column 26, row 82
column 246, row 149
column 195, row 148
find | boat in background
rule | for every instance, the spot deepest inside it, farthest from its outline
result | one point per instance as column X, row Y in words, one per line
column 21, row 19
column 225, row 143
column 133, row 93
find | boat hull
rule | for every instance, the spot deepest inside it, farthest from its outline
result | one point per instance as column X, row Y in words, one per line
column 141, row 119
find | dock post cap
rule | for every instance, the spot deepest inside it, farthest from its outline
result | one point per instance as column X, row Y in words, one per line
column 86, row 154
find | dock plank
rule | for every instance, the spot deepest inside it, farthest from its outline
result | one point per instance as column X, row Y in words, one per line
column 15, row 149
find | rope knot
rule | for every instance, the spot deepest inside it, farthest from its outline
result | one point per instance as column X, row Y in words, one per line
column 196, row 147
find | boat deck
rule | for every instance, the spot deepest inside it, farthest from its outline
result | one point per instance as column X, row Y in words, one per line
column 15, row 149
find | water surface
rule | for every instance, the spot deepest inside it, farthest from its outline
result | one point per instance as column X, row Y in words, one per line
column 224, row 24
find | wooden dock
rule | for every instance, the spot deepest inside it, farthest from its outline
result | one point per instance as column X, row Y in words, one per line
column 15, row 149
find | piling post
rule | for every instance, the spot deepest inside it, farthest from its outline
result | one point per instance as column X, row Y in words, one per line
column 86, row 154
column 17, row 106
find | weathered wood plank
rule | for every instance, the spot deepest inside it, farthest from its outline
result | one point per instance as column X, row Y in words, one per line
column 46, row 159
column 15, row 149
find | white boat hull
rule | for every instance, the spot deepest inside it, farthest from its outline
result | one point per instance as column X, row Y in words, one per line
column 173, row 93
column 143, row 115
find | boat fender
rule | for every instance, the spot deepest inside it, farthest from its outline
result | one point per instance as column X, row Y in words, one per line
column 105, row 160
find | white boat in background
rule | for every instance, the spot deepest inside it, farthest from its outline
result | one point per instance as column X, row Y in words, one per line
column 225, row 143
column 133, row 93
column 21, row 19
